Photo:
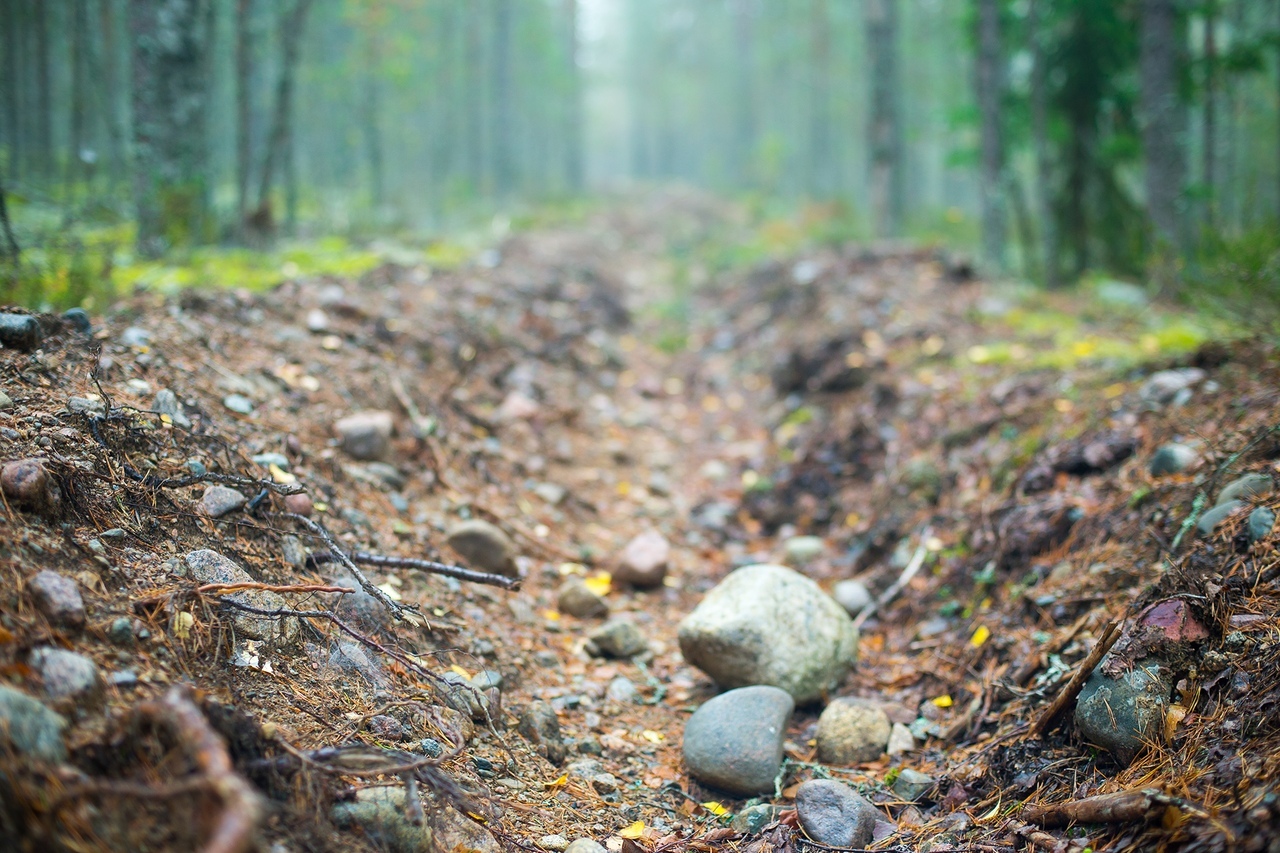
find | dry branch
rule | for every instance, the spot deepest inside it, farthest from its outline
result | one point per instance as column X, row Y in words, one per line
column 1133, row 806
column 912, row 568
column 1110, row 634
column 397, row 609
column 459, row 572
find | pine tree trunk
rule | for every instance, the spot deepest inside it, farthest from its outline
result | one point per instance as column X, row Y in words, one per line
column 291, row 27
column 244, row 109
column 372, row 124
column 743, row 145
column 502, row 136
column 819, row 172
column 574, row 164
column 170, row 96
column 990, row 82
column 1164, row 126
column 1040, row 143
column 887, row 178
column 10, row 86
column 1209, row 149
column 42, row 155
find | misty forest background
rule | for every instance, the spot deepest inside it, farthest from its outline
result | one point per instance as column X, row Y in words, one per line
column 1055, row 139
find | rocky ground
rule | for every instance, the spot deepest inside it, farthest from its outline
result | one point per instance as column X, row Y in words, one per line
column 868, row 555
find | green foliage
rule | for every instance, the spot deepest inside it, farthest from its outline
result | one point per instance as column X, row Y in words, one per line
column 1238, row 278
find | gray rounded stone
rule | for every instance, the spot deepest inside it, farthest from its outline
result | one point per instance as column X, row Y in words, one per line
column 734, row 741
column 752, row 819
column 1261, row 520
column 643, row 563
column 20, row 332
column 585, row 845
column 554, row 843
column 851, row 731
column 365, row 435
column 852, row 595
column 541, row 727
column 576, row 599
column 29, row 727
column 803, row 550
column 1121, row 714
column 1172, row 458
column 221, row 500
column 911, row 785
column 766, row 624
column 70, row 679
column 58, row 598
column 618, row 638
column 208, row 567
column 485, row 546
column 621, row 689
column 1211, row 519
column 834, row 814
column 1246, row 488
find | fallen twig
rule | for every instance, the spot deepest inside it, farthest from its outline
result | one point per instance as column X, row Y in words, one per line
column 397, row 609
column 1110, row 634
column 913, row 568
column 435, row 568
column 1119, row 807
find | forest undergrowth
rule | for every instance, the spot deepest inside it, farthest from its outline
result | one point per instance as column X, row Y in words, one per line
column 991, row 463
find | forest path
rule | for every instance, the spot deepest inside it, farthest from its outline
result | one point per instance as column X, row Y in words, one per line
column 577, row 386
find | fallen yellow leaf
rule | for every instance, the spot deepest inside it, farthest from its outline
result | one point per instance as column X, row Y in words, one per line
column 460, row 671
column 943, row 701
column 715, row 808
column 182, row 625
column 279, row 475
column 652, row 736
column 980, row 636
column 600, row 583
column 634, row 831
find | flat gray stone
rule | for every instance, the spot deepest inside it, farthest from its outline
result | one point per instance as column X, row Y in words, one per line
column 803, row 550
column 238, row 403
column 1172, row 458
column 1121, row 714
column 208, row 566
column 619, row 638
column 58, row 598
column 381, row 814
column 541, row 727
column 365, row 435
column 29, row 727
column 585, row 845
column 752, row 819
column 852, row 731
column 834, row 814
column 484, row 547
column 70, row 679
column 221, row 500
column 554, row 843
column 911, row 785
column 166, row 403
column 766, row 624
column 734, row 741
column 1246, row 488
column 576, row 599
column 1211, row 519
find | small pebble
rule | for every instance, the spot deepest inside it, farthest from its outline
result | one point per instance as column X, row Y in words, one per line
column 58, row 598
column 852, row 595
column 576, row 599
column 834, row 814
column 124, row 679
column 20, row 332
column 238, row 403
column 852, row 731
column 585, row 845
column 643, row 563
column 71, row 679
column 221, row 500
column 299, row 504
column 6, row 402
column 484, row 547
column 121, row 631
column 619, row 638
column 553, row 843
column 911, row 785
column 27, row 484
column 1261, row 521
column 365, row 435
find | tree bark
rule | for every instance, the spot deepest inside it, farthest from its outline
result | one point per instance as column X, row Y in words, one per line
column 1164, row 126
column 1040, row 143
column 11, row 86
column 372, row 121
column 11, row 249
column 42, row 154
column 244, row 108
column 743, row 144
column 291, row 27
column 574, row 164
column 820, row 160
column 1209, row 149
column 990, row 82
column 170, row 95
column 503, row 132
column 887, row 178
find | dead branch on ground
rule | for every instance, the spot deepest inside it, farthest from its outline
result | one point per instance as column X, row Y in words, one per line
column 430, row 566
column 1110, row 634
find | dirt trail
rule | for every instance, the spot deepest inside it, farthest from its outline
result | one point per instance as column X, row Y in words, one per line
column 882, row 401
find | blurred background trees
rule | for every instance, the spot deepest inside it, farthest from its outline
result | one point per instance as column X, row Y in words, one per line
column 1053, row 137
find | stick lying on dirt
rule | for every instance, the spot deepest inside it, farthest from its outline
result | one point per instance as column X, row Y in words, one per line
column 459, row 572
column 397, row 609
column 1119, row 807
column 1110, row 634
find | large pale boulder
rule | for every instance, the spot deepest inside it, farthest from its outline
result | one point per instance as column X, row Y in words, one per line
column 766, row 624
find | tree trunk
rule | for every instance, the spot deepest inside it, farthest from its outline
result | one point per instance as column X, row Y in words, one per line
column 244, row 108
column 42, row 155
column 574, row 164
column 743, row 145
column 1040, row 143
column 291, row 27
column 10, row 86
column 372, row 121
column 78, row 166
column 1164, row 121
column 990, row 82
column 112, row 86
column 820, row 160
column 473, row 146
column 887, row 179
column 502, row 135
column 170, row 95
column 1209, row 150
column 11, row 249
